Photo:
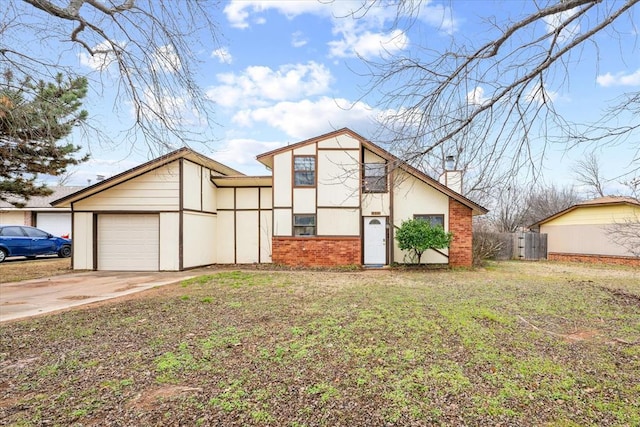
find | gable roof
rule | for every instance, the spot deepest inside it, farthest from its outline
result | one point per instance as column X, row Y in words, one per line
column 600, row 201
column 42, row 202
column 182, row 153
column 267, row 160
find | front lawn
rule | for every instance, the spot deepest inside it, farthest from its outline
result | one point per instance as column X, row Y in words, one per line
column 512, row 344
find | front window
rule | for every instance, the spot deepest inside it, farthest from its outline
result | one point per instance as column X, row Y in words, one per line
column 304, row 171
column 375, row 178
column 432, row 219
column 304, row 225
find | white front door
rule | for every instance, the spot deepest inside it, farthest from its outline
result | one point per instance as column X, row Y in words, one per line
column 375, row 240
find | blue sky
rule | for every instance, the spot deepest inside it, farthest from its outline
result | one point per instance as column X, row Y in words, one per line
column 284, row 71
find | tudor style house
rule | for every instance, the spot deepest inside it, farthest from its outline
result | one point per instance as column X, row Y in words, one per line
column 331, row 200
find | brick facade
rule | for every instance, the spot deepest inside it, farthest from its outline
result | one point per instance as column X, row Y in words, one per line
column 460, row 224
column 316, row 251
column 594, row 259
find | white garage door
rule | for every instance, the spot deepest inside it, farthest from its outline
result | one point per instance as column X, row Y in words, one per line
column 128, row 242
column 58, row 224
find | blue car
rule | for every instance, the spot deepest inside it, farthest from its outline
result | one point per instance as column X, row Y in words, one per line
column 20, row 240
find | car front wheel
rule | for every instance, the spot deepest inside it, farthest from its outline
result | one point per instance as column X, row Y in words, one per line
column 3, row 255
column 64, row 252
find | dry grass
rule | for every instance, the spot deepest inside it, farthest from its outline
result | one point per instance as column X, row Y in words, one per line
column 19, row 269
column 513, row 344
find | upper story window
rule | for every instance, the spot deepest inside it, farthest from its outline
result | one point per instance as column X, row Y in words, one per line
column 375, row 178
column 432, row 219
column 304, row 171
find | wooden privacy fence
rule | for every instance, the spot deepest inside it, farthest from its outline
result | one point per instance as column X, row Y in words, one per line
column 529, row 245
column 520, row 245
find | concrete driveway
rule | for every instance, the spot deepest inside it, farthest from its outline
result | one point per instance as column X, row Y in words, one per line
column 38, row 296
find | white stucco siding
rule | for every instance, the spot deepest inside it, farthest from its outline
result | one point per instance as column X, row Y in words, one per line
column 83, row 241
column 156, row 190
column 282, row 222
column 199, row 244
column 209, row 193
column 247, row 232
column 12, row 217
column 371, row 157
column 338, row 178
column 375, row 204
column 340, row 141
column 304, row 200
column 266, row 201
column 225, row 237
column 169, row 241
column 247, row 198
column 266, row 232
column 305, row 150
column 192, row 185
column 414, row 197
column 338, row 222
column 226, row 198
column 282, row 176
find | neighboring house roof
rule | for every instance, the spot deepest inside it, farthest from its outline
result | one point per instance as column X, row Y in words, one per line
column 42, row 202
column 600, row 201
column 182, row 153
column 267, row 160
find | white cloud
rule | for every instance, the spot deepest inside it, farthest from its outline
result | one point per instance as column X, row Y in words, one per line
column 243, row 151
column 238, row 12
column 223, row 55
column 166, row 59
column 476, row 96
column 438, row 16
column 258, row 84
column 306, row 118
column 176, row 110
column 358, row 24
column 367, row 44
column 298, row 39
column 553, row 22
column 540, row 95
column 102, row 59
column 619, row 79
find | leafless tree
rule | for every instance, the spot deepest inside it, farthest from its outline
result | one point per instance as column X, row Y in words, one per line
column 491, row 102
column 148, row 47
column 520, row 206
column 587, row 173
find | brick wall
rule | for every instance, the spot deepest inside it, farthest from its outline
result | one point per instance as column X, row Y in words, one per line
column 461, row 251
column 316, row 251
column 594, row 259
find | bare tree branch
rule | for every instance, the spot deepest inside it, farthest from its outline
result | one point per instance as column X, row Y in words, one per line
column 145, row 48
column 493, row 105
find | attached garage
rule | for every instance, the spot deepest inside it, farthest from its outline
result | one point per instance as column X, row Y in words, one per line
column 56, row 223
column 128, row 242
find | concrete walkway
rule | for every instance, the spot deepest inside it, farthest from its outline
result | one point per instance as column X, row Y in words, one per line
column 38, row 296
